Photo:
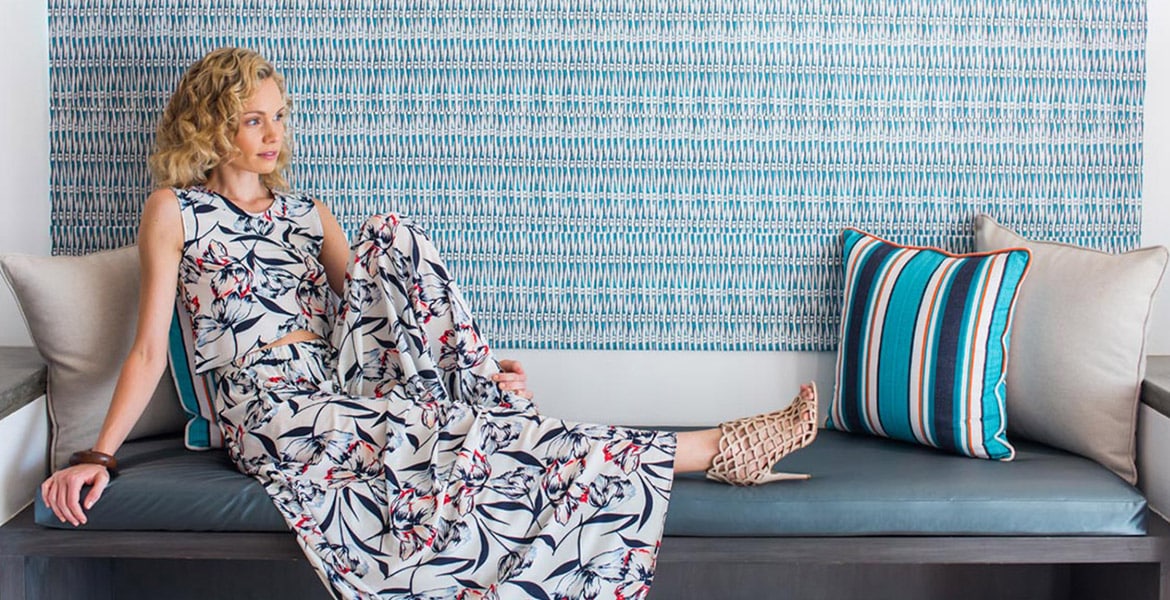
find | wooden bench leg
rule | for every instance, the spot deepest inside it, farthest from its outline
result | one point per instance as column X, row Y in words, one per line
column 12, row 577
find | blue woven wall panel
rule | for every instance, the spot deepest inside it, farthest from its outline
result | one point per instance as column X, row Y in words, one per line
column 652, row 174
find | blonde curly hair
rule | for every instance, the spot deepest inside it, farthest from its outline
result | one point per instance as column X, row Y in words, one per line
column 197, row 130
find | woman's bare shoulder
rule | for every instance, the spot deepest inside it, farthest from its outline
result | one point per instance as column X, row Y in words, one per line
column 162, row 201
column 161, row 219
column 162, row 196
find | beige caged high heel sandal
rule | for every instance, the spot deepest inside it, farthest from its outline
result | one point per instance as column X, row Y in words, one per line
column 749, row 447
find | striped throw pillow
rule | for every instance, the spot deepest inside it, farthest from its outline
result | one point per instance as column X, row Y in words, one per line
column 924, row 345
column 196, row 391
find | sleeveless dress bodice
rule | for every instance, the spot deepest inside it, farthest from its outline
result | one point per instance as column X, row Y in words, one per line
column 246, row 279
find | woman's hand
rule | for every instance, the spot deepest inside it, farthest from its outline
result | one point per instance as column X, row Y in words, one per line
column 512, row 379
column 62, row 491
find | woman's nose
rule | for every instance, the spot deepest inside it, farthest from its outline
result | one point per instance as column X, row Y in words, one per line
column 273, row 131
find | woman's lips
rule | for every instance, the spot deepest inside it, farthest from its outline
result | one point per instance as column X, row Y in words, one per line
column 269, row 155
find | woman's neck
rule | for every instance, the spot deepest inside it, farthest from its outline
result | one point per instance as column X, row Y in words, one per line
column 242, row 188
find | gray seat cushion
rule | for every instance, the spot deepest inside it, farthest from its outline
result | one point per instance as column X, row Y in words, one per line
column 861, row 486
column 163, row 486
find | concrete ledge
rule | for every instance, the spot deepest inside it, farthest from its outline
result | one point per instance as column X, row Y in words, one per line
column 23, row 378
column 1156, row 387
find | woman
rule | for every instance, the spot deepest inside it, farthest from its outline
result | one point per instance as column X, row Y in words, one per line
column 385, row 432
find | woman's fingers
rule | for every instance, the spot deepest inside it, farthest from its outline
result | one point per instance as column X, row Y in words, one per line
column 510, row 381
column 99, row 485
column 73, row 501
column 517, row 383
column 58, row 496
column 61, row 497
column 62, row 492
column 49, row 494
column 512, row 366
column 512, row 378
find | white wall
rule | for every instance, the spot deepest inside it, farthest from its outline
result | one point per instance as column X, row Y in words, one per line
column 24, row 145
column 24, row 222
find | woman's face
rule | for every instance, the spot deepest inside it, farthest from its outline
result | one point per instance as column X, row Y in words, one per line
column 261, row 130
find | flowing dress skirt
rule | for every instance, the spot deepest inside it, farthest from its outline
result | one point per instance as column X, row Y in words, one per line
column 406, row 473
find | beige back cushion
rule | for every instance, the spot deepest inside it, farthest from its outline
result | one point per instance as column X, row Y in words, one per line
column 1078, row 345
column 82, row 312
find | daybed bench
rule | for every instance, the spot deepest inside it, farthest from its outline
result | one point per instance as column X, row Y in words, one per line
column 879, row 519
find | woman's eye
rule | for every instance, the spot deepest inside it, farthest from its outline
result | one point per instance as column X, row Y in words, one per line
column 252, row 122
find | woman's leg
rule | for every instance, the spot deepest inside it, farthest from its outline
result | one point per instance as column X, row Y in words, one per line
column 404, row 322
column 696, row 450
column 478, row 490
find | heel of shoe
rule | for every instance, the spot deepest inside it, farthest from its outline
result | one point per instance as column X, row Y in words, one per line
column 776, row 476
column 770, row 477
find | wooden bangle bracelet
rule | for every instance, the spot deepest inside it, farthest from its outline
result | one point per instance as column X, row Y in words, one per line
column 93, row 457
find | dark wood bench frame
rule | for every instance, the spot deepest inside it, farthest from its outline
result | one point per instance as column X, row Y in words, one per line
column 1130, row 567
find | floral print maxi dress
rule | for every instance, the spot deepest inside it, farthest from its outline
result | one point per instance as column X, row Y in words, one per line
column 406, row 473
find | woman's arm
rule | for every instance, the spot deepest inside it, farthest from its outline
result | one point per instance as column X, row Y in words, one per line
column 160, row 247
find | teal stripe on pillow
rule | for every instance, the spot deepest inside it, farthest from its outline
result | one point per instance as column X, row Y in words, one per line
column 924, row 341
column 897, row 332
column 196, row 391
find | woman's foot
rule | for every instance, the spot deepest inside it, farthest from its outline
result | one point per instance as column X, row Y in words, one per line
column 748, row 448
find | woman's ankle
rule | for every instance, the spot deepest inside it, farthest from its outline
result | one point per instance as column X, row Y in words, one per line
column 696, row 450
